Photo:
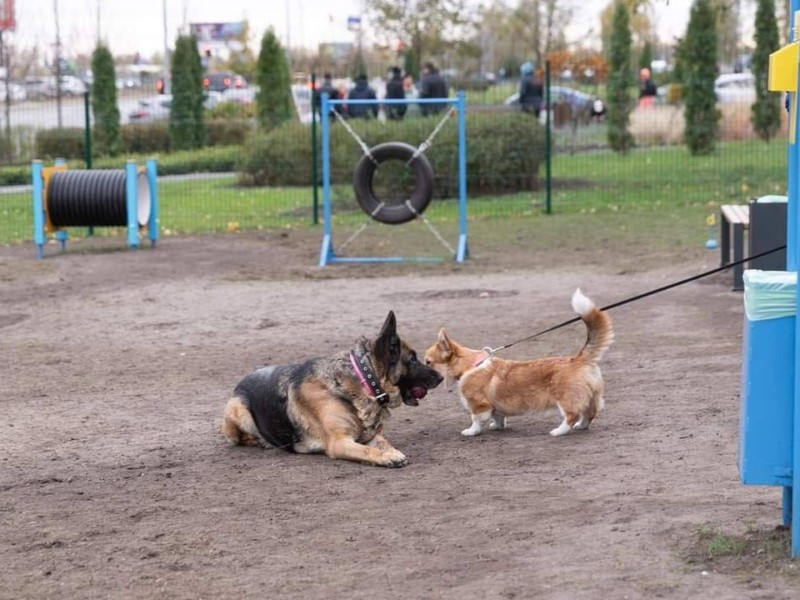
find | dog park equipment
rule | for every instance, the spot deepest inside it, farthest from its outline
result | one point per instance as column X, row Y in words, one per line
column 94, row 198
column 766, row 431
column 769, row 442
column 395, row 213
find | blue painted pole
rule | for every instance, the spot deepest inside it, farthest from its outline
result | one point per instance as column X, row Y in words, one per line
column 791, row 256
column 131, row 202
column 38, row 208
column 62, row 235
column 153, row 223
column 463, row 248
column 326, row 253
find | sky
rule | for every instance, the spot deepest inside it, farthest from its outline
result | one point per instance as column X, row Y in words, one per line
column 138, row 25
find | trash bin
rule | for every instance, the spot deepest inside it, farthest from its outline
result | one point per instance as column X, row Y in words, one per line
column 767, row 399
column 767, row 231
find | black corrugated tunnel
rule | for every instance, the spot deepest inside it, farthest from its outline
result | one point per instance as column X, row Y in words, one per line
column 94, row 198
column 393, row 212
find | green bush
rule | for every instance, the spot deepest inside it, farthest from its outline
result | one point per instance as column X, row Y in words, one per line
column 225, row 132
column 15, row 175
column 208, row 160
column 144, row 138
column 67, row 142
column 504, row 153
column 231, row 110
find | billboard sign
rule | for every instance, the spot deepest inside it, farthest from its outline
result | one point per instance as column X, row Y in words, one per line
column 353, row 23
column 216, row 32
column 7, row 21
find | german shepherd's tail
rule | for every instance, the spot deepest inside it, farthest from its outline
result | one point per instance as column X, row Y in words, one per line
column 599, row 333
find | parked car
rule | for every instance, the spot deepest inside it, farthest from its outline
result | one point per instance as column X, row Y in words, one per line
column 581, row 103
column 152, row 109
column 157, row 108
column 224, row 80
column 735, row 87
column 71, row 86
column 246, row 95
column 16, row 92
column 38, row 88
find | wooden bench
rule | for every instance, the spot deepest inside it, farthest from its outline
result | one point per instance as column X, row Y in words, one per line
column 736, row 216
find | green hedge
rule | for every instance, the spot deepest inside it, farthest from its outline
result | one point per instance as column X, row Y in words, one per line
column 66, row 142
column 504, row 152
column 139, row 139
column 210, row 160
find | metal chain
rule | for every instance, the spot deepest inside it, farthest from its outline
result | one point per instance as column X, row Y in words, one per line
column 427, row 143
column 364, row 148
column 433, row 230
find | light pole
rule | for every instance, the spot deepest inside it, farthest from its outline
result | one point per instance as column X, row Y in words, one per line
column 58, row 65
column 167, row 87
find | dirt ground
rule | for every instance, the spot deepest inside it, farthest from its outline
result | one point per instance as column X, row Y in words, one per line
column 115, row 483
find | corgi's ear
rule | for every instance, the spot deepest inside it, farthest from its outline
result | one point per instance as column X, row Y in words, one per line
column 443, row 341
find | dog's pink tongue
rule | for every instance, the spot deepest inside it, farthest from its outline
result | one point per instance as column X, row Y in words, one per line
column 419, row 392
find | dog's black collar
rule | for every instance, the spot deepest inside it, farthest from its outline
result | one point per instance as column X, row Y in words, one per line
column 369, row 379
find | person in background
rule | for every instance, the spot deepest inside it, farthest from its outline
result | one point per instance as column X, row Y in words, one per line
column 333, row 94
column 432, row 85
column 647, row 89
column 362, row 91
column 531, row 90
column 395, row 90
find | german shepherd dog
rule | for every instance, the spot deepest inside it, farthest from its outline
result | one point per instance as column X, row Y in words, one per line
column 335, row 405
column 492, row 388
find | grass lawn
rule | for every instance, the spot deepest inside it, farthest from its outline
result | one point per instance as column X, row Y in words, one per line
column 664, row 185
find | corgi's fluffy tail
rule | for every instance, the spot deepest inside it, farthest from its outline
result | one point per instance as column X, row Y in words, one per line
column 599, row 333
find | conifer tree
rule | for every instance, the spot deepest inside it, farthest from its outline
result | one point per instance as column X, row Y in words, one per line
column 107, row 129
column 766, row 111
column 646, row 59
column 620, row 82
column 186, row 121
column 698, row 72
column 274, row 103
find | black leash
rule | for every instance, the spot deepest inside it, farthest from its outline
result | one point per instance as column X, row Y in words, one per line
column 640, row 296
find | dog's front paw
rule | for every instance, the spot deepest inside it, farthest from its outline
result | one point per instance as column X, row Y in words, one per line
column 396, row 460
column 471, row 431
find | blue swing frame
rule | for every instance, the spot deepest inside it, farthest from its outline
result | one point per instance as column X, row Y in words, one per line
column 327, row 253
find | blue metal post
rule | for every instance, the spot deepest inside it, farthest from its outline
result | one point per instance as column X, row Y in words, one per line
column 463, row 248
column 38, row 208
column 153, row 223
column 131, row 202
column 326, row 253
column 792, row 511
column 62, row 234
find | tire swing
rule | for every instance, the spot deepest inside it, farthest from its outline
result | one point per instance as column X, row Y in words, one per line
column 393, row 213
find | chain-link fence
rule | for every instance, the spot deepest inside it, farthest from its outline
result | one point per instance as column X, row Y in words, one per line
column 518, row 165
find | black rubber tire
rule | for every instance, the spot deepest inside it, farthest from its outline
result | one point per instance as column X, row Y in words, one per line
column 393, row 214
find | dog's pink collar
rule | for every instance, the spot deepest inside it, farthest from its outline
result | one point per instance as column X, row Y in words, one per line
column 368, row 380
column 484, row 356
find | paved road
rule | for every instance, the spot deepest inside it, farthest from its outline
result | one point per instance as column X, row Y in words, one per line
column 43, row 114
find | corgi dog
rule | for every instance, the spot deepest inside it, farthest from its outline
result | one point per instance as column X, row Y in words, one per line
column 493, row 388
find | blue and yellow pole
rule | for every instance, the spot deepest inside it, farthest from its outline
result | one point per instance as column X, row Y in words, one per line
column 784, row 65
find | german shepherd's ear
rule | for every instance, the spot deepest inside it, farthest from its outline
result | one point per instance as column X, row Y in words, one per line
column 387, row 344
